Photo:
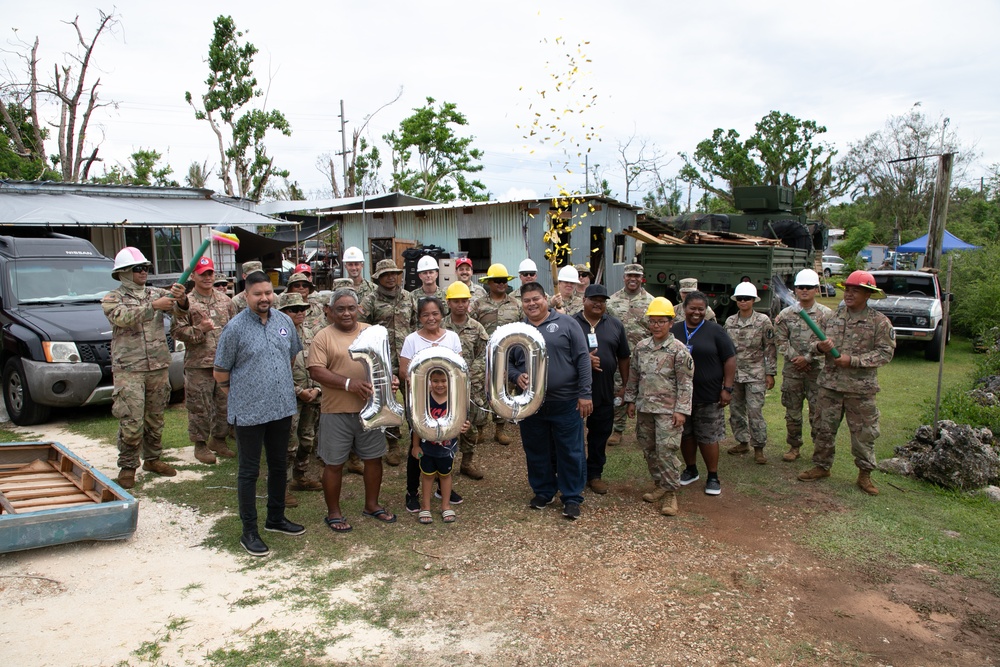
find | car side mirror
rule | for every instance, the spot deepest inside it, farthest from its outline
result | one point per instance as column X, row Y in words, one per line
column 951, row 297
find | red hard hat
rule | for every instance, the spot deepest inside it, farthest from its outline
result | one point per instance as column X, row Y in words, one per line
column 303, row 268
column 862, row 279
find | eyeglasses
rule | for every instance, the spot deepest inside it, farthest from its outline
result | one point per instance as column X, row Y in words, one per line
column 529, row 273
column 296, row 309
column 807, row 287
column 744, row 298
column 498, row 281
column 141, row 268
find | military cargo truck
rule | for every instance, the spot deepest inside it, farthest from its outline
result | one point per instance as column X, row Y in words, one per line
column 720, row 267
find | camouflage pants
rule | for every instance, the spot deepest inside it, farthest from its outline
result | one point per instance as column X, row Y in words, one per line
column 206, row 405
column 477, row 419
column 140, row 397
column 862, row 419
column 660, row 441
column 746, row 413
column 302, row 437
column 620, row 416
column 796, row 389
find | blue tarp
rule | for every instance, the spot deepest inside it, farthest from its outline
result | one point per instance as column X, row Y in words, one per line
column 950, row 242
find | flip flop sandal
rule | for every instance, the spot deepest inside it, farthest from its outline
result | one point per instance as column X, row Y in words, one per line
column 338, row 524
column 449, row 516
column 381, row 515
column 425, row 517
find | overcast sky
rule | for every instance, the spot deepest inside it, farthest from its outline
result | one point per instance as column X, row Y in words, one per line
column 666, row 72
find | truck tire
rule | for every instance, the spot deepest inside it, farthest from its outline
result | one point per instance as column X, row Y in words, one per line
column 21, row 409
column 933, row 350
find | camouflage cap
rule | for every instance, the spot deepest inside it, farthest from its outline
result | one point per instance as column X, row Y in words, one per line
column 634, row 268
column 582, row 269
column 250, row 267
column 688, row 285
column 385, row 266
column 290, row 299
column 299, row 278
column 341, row 283
column 221, row 280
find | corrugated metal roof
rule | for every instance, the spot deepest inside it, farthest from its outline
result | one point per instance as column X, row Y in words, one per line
column 318, row 206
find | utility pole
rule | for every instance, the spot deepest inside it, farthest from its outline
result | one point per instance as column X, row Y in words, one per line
column 343, row 145
column 939, row 210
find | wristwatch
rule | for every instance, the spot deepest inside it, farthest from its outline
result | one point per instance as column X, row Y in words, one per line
column 729, row 389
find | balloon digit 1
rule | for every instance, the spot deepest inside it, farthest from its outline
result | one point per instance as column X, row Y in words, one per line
column 516, row 408
column 452, row 365
column 371, row 348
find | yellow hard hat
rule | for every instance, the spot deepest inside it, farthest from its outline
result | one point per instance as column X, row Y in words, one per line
column 660, row 307
column 458, row 290
column 496, row 271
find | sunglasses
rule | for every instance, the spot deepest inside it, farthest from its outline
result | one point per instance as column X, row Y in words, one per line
column 499, row 281
column 529, row 273
column 141, row 268
column 296, row 309
column 744, row 298
column 807, row 287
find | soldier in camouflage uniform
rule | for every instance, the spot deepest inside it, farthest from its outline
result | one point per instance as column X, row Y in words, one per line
column 585, row 277
column 302, row 435
column 629, row 305
column 848, row 383
column 756, row 366
column 201, row 316
column 687, row 286
column 566, row 299
column 495, row 310
column 139, row 360
column 299, row 283
column 659, row 393
column 463, row 269
column 240, row 300
column 392, row 307
column 474, row 339
column 800, row 372
column 354, row 265
column 314, row 296
column 428, row 283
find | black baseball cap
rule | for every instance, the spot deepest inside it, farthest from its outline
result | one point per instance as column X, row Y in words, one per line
column 595, row 290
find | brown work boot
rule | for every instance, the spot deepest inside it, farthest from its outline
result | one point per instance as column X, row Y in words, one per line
column 290, row 500
column 654, row 495
column 300, row 483
column 126, row 478
column 354, row 464
column 791, row 454
column 203, row 453
column 758, row 456
column 615, row 439
column 598, row 485
column 219, row 446
column 739, row 448
column 501, row 434
column 813, row 474
column 669, row 506
column 392, row 455
column 469, row 468
column 865, row 483
column 159, row 467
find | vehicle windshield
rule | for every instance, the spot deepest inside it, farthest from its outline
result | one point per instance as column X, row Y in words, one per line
column 907, row 285
column 59, row 281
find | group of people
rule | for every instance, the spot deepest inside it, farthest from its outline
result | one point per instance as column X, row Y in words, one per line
column 277, row 369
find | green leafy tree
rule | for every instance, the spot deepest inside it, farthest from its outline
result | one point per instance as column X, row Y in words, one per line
column 142, row 169
column 20, row 156
column 430, row 161
column 198, row 174
column 783, row 151
column 976, row 307
column 856, row 238
column 231, row 88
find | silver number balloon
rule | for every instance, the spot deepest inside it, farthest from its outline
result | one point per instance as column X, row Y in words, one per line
column 503, row 339
column 418, row 393
column 371, row 348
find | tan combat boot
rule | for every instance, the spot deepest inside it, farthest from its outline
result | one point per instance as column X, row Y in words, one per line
column 739, row 448
column 300, row 483
column 354, row 464
column 219, row 446
column 469, row 468
column 813, row 474
column 203, row 453
column 669, row 506
column 598, row 485
column 290, row 500
column 126, row 478
column 392, row 455
column 758, row 456
column 654, row 495
column 615, row 439
column 865, row 483
column 791, row 454
column 501, row 434
column 159, row 467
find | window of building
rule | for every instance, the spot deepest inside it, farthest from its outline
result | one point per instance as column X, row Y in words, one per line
column 479, row 251
column 161, row 246
column 619, row 250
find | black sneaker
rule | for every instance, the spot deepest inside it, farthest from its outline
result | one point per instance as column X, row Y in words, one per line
column 455, row 499
column 571, row 511
column 539, row 502
column 689, row 476
column 412, row 503
column 253, row 544
column 284, row 526
column 712, row 486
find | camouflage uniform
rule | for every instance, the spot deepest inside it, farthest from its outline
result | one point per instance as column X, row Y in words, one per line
column 397, row 314
column 793, row 338
column 476, row 290
column 204, row 399
column 363, row 289
column 419, row 293
column 756, row 358
column 139, row 360
column 240, row 301
column 570, row 306
column 315, row 317
column 492, row 314
column 474, row 339
column 302, row 436
column 869, row 339
column 631, row 310
column 660, row 383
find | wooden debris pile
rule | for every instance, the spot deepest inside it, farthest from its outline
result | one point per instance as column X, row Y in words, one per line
column 697, row 236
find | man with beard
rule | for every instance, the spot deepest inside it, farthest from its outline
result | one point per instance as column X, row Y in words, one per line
column 463, row 269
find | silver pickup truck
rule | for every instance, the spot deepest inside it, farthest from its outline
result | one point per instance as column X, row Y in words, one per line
column 914, row 303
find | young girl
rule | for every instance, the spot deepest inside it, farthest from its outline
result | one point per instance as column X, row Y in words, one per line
column 436, row 458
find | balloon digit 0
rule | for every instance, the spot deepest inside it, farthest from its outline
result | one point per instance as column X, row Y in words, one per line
column 418, row 393
column 503, row 339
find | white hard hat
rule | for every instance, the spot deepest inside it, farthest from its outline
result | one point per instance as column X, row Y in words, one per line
column 568, row 274
column 427, row 263
column 746, row 289
column 527, row 266
column 126, row 257
column 353, row 254
column 806, row 278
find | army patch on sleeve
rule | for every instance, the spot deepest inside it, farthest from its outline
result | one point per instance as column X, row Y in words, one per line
column 690, row 363
column 770, row 333
column 892, row 334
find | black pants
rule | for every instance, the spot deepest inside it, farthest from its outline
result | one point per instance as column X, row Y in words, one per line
column 600, row 423
column 272, row 439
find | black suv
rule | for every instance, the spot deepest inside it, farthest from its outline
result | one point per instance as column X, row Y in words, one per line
column 56, row 340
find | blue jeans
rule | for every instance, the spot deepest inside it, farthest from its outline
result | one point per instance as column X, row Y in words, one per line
column 272, row 439
column 600, row 423
column 555, row 429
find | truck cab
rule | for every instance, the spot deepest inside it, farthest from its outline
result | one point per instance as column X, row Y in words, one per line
column 914, row 303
